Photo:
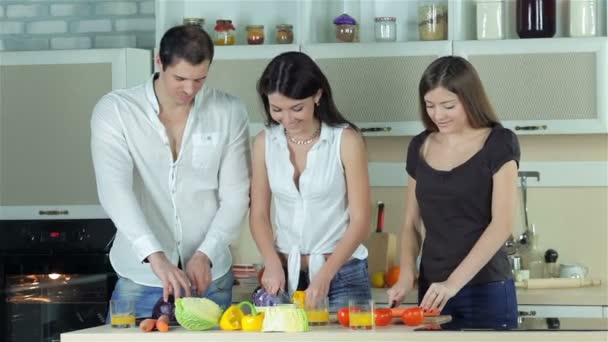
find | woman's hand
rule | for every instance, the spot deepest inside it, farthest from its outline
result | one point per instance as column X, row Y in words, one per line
column 437, row 296
column 401, row 289
column 318, row 289
column 273, row 278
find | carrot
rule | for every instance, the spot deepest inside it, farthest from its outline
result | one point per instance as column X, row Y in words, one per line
column 147, row 324
column 397, row 312
column 162, row 323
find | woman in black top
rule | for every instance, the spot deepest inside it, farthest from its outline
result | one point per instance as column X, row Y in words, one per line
column 462, row 186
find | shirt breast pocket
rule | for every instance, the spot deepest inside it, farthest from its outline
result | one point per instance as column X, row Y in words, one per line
column 206, row 150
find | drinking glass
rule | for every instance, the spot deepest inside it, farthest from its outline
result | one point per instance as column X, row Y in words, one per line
column 361, row 314
column 122, row 313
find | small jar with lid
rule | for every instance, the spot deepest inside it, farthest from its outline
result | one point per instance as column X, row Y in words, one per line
column 346, row 28
column 433, row 20
column 284, row 34
column 255, row 34
column 199, row 22
column 385, row 29
column 490, row 19
column 224, row 32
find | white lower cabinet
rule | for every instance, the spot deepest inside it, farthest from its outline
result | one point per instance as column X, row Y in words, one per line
column 563, row 311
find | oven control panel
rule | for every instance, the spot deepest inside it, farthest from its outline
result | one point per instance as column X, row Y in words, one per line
column 49, row 235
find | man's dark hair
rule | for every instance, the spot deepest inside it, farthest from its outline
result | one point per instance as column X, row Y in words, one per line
column 187, row 42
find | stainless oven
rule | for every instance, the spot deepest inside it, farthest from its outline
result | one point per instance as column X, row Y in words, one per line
column 55, row 276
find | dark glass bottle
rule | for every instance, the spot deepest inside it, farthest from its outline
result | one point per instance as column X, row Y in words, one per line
column 535, row 18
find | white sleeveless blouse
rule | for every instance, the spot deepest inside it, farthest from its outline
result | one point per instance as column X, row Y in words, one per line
column 310, row 221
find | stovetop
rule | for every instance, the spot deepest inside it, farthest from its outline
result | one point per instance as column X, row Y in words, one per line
column 526, row 324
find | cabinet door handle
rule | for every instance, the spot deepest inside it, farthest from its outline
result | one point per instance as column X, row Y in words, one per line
column 530, row 128
column 376, row 129
column 53, row 212
column 527, row 313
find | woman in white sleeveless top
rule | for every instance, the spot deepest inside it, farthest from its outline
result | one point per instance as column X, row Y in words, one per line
column 312, row 163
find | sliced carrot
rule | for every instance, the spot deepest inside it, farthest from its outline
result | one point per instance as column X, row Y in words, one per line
column 147, row 324
column 162, row 323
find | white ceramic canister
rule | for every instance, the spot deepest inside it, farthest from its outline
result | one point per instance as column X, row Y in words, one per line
column 583, row 18
column 490, row 23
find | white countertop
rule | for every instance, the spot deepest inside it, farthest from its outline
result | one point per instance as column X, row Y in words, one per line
column 330, row 333
column 591, row 295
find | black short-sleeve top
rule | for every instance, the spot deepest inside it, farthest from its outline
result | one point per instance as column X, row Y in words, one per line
column 456, row 206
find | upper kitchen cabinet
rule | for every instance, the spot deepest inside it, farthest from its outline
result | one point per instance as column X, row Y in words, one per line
column 544, row 86
column 539, row 86
column 376, row 86
column 46, row 101
column 237, row 69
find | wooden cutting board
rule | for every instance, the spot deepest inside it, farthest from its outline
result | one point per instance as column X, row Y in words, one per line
column 382, row 249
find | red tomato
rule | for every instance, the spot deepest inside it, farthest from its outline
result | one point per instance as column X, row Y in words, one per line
column 383, row 317
column 343, row 316
column 413, row 316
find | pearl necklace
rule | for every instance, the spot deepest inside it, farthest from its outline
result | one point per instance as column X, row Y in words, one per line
column 304, row 141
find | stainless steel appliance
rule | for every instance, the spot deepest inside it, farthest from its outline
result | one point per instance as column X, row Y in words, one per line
column 55, row 276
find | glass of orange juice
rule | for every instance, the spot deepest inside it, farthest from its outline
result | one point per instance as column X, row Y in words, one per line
column 122, row 313
column 318, row 313
column 361, row 313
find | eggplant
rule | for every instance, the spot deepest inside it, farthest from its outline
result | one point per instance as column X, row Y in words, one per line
column 165, row 308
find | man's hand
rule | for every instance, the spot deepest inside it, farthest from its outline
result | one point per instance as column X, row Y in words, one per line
column 198, row 270
column 174, row 280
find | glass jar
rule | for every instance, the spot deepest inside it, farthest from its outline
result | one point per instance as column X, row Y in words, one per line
column 200, row 22
column 224, row 32
column 535, row 19
column 385, row 29
column 255, row 34
column 490, row 19
column 284, row 34
column 583, row 18
column 433, row 20
column 346, row 28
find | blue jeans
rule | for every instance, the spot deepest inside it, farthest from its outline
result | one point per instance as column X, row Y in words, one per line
column 488, row 305
column 220, row 291
column 351, row 282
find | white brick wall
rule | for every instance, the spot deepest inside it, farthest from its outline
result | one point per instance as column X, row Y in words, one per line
column 76, row 24
column 115, row 8
column 146, row 7
column 46, row 27
column 103, row 42
column 13, row 44
column 26, row 11
column 134, row 24
column 70, row 10
column 85, row 26
column 11, row 27
column 67, row 43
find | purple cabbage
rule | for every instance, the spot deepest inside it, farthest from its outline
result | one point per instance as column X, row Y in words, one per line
column 165, row 308
column 262, row 298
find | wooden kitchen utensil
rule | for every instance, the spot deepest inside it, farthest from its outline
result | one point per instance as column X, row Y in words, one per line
column 556, row 283
column 381, row 246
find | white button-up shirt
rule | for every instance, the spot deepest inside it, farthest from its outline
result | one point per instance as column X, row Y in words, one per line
column 197, row 202
column 312, row 220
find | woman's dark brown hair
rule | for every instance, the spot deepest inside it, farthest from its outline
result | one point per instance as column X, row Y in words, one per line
column 459, row 76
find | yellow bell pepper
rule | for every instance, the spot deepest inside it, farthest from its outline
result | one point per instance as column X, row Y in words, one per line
column 231, row 318
column 253, row 321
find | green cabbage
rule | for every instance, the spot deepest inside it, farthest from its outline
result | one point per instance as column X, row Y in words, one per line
column 197, row 313
column 286, row 318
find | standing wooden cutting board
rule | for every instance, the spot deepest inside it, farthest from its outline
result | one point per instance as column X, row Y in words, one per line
column 382, row 249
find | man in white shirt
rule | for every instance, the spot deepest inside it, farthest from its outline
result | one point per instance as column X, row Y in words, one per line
column 171, row 159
